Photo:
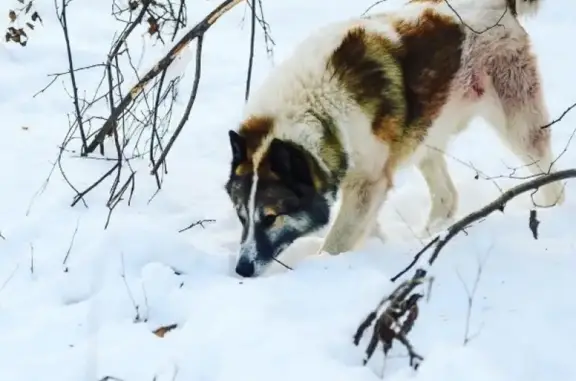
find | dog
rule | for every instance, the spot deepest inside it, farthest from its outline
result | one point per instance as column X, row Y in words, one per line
column 359, row 99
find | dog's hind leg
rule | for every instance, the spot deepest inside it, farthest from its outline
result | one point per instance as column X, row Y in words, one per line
column 361, row 201
column 518, row 113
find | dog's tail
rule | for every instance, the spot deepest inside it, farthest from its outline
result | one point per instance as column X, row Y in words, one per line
column 524, row 7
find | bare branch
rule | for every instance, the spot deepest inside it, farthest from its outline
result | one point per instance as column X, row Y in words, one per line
column 137, row 318
column 251, row 54
column 470, row 294
column 162, row 64
column 63, row 18
column 186, row 114
column 560, row 117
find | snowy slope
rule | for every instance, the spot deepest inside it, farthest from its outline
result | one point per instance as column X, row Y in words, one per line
column 80, row 324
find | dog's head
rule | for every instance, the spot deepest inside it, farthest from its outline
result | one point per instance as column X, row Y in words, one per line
column 277, row 201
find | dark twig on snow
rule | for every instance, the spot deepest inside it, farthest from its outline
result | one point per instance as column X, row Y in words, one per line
column 137, row 317
column 470, row 294
column 395, row 306
column 194, row 224
column 282, row 264
column 5, row 283
column 533, row 223
column 31, row 259
column 568, row 109
column 64, row 262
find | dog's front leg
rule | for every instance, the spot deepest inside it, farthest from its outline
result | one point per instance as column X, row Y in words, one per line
column 361, row 201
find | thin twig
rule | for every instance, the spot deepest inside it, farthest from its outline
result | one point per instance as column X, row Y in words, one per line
column 64, row 23
column 196, row 223
column 188, row 109
column 70, row 246
column 251, row 51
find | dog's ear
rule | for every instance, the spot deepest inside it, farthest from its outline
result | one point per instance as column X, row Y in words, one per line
column 289, row 162
column 238, row 146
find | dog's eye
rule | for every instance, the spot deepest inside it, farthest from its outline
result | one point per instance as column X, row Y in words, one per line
column 268, row 220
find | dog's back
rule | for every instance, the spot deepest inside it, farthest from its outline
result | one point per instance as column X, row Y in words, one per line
column 387, row 76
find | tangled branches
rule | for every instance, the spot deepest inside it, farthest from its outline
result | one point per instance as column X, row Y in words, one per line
column 139, row 119
column 401, row 304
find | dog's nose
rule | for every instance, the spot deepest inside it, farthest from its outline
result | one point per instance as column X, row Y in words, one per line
column 245, row 268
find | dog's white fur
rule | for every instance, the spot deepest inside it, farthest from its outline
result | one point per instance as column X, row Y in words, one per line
column 512, row 103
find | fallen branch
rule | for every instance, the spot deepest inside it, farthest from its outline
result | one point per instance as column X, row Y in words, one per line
column 162, row 331
column 402, row 302
column 398, row 313
column 442, row 239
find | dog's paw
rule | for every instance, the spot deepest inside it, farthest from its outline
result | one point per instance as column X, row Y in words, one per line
column 378, row 233
column 434, row 227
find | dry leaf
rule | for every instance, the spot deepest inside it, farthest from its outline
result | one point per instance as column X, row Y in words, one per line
column 12, row 16
column 153, row 25
column 160, row 332
column 35, row 16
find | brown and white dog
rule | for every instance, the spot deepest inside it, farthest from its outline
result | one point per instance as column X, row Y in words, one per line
column 359, row 99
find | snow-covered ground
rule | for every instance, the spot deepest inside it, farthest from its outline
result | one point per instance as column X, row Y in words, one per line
column 76, row 321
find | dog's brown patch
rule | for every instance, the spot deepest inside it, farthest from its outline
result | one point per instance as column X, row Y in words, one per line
column 431, row 54
column 367, row 65
column 360, row 64
column 254, row 129
column 402, row 84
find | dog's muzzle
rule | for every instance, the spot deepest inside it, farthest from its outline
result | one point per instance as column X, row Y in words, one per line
column 246, row 268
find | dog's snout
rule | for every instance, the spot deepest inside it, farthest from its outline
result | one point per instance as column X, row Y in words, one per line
column 245, row 268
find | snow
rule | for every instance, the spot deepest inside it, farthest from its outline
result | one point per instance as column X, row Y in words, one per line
column 73, row 316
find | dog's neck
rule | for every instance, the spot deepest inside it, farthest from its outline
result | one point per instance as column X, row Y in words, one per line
column 326, row 153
